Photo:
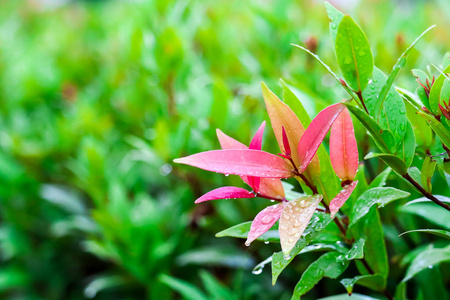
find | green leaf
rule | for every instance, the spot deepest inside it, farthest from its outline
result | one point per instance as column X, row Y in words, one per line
column 295, row 104
column 421, row 129
column 215, row 288
column 391, row 160
column 428, row 168
column 407, row 148
column 353, row 54
column 438, row 232
column 242, row 230
column 379, row 196
column 392, row 114
column 435, row 92
column 375, row 280
column 356, row 252
column 380, row 180
column 327, row 265
column 428, row 210
column 216, row 255
column 401, row 62
column 427, row 258
column 187, row 290
column 438, row 128
column 335, row 17
column 317, row 223
column 383, row 138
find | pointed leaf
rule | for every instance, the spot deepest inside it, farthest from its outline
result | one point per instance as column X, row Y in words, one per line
column 327, row 265
column 439, row 232
column 378, row 196
column 335, row 17
column 264, row 220
column 375, row 280
column 435, row 92
column 353, row 54
column 226, row 192
column 286, row 146
column 427, row 258
column 240, row 162
column 256, row 142
column 268, row 186
column 391, row 160
column 343, row 147
column 427, row 172
column 242, row 230
column 294, row 219
column 383, row 138
column 316, row 132
column 340, row 198
column 407, row 147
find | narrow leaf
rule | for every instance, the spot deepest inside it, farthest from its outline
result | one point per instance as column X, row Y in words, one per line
column 335, row 17
column 227, row 142
column 439, row 232
column 407, row 147
column 256, row 142
column 226, row 192
column 353, row 54
column 286, row 146
column 427, row 258
column 391, row 160
column 264, row 220
column 427, row 172
column 435, row 92
column 316, row 132
column 343, row 147
column 294, row 219
column 340, row 198
column 242, row 230
column 240, row 162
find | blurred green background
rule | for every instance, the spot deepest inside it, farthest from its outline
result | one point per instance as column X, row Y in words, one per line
column 98, row 97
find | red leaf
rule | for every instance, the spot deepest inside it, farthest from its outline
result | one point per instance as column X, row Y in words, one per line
column 316, row 132
column 256, row 142
column 340, row 198
column 240, row 162
column 264, row 221
column 268, row 186
column 226, row 192
column 287, row 148
column 343, row 148
column 294, row 219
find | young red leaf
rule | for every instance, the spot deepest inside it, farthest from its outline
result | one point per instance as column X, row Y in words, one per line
column 316, row 132
column 268, row 186
column 226, row 192
column 340, row 198
column 264, row 221
column 287, row 147
column 240, row 162
column 282, row 116
column 343, row 148
column 294, row 219
column 256, row 144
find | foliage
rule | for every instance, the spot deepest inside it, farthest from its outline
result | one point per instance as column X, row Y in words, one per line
column 98, row 98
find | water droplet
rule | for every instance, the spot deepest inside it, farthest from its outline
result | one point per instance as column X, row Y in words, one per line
column 227, row 175
column 333, row 26
column 266, row 242
column 247, row 244
column 258, row 270
column 272, row 200
column 287, row 257
column 267, row 219
column 430, row 267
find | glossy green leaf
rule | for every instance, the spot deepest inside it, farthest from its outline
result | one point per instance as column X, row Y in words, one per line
column 392, row 114
column 401, row 62
column 317, row 223
column 335, row 17
column 427, row 172
column 420, row 75
column 242, row 230
column 428, row 210
column 380, row 180
column 435, row 92
column 391, row 160
column 354, row 296
column 438, row 128
column 430, row 257
column 325, row 266
column 375, row 280
column 356, row 252
column 422, row 131
column 407, row 148
column 383, row 138
column 438, row 232
column 379, row 196
column 353, row 54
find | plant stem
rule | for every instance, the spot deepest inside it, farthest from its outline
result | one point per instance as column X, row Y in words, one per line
column 369, row 269
column 425, row 193
column 359, row 93
column 308, row 184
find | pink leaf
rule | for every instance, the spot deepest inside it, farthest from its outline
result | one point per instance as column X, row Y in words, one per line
column 316, row 132
column 256, row 142
column 240, row 162
column 264, row 220
column 340, row 198
column 343, row 148
column 294, row 219
column 268, row 186
column 226, row 192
